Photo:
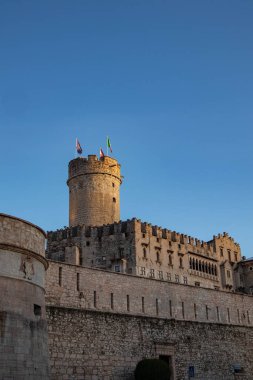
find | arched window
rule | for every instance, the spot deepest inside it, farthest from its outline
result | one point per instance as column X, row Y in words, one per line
column 206, row 268
column 215, row 270
column 180, row 262
column 209, row 268
column 190, row 263
column 144, row 253
column 193, row 264
column 212, row 269
column 203, row 266
column 157, row 256
column 170, row 260
column 197, row 265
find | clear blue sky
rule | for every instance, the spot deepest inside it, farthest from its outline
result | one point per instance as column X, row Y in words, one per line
column 171, row 83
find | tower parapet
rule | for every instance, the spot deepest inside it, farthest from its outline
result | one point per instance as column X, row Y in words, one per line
column 94, row 191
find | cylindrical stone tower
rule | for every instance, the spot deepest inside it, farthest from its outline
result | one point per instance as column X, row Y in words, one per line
column 23, row 329
column 94, row 196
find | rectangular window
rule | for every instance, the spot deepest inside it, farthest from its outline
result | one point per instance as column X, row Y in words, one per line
column 170, row 307
column 95, row 298
column 152, row 273
column 248, row 317
column 197, row 283
column 207, row 312
column 112, row 303
column 117, row 268
column 195, row 311
column 78, row 282
column 183, row 310
column 218, row 313
column 157, row 306
column 37, row 310
column 160, row 275
column 229, row 255
column 128, row 303
column 143, row 271
column 185, row 280
column 238, row 315
column 169, row 276
column 228, row 274
column 60, row 276
column 228, row 313
column 176, row 277
column 143, row 304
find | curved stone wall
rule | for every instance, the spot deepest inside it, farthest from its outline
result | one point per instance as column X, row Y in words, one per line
column 94, row 186
column 23, row 328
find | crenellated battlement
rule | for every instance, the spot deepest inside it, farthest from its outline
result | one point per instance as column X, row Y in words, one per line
column 132, row 225
column 94, row 165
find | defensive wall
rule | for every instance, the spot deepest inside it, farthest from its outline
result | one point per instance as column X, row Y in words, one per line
column 100, row 324
column 23, row 328
column 82, row 287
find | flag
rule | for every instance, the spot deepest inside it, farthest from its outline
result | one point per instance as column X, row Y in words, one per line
column 101, row 153
column 78, row 147
column 109, row 144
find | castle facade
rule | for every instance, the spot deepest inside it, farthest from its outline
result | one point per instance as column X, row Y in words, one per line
column 109, row 293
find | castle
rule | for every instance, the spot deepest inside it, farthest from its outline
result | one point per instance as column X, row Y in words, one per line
column 97, row 238
column 119, row 291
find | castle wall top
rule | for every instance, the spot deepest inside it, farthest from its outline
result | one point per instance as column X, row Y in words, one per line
column 18, row 233
column 94, row 165
column 89, row 288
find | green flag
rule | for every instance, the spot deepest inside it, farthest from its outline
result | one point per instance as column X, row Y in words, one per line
column 109, row 144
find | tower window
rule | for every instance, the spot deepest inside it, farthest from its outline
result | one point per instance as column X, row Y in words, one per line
column 114, row 200
column 37, row 309
column 113, row 184
column 152, row 273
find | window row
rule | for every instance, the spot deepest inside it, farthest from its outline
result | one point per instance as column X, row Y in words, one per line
column 229, row 254
column 161, row 275
column 158, row 258
column 203, row 266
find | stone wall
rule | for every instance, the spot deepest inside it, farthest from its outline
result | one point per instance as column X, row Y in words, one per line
column 92, row 345
column 23, row 328
column 87, row 288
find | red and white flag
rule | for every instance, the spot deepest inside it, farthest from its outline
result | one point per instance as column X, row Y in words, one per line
column 101, row 153
column 78, row 147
